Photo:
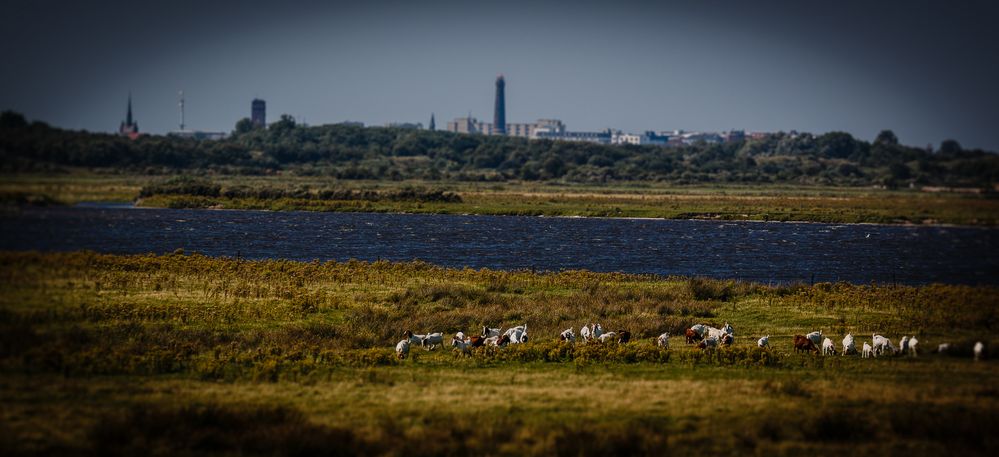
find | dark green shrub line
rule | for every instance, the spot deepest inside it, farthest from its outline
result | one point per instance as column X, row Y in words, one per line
column 193, row 187
column 348, row 152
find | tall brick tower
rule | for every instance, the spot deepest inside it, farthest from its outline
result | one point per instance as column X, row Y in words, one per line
column 499, row 115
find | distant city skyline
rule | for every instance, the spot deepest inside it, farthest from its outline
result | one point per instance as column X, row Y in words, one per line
column 923, row 69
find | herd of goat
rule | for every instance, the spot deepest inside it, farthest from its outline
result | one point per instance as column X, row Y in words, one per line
column 704, row 336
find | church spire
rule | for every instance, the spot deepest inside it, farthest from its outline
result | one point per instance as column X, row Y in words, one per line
column 129, row 128
column 128, row 117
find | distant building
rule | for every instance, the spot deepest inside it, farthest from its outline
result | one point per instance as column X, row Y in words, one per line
column 469, row 125
column 405, row 125
column 258, row 113
column 199, row 134
column 733, row 135
column 639, row 139
column 603, row 137
column 350, row 124
column 433, row 125
column 129, row 127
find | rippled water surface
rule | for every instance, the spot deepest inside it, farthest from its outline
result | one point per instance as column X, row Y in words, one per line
column 756, row 251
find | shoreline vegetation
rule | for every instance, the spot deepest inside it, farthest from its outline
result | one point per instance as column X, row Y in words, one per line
column 636, row 200
column 186, row 354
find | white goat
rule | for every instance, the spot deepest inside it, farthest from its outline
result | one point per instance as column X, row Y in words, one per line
column 568, row 335
column 913, row 345
column 943, row 348
column 518, row 329
column 728, row 329
column 402, row 349
column 460, row 336
column 880, row 344
column 607, row 336
column 903, row 345
column 663, row 341
column 460, row 344
column 828, row 348
column 598, row 331
column 414, row 339
column 709, row 342
column 487, row 332
column 763, row 342
column 716, row 333
column 816, row 337
column 868, row 351
column 432, row 340
column 979, row 351
column 849, row 344
column 700, row 329
column 584, row 333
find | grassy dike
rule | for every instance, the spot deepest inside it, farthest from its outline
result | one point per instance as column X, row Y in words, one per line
column 190, row 355
column 651, row 200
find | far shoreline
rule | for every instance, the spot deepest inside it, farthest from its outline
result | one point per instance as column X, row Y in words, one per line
column 137, row 205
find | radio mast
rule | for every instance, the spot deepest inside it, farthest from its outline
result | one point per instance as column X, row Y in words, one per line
column 181, row 94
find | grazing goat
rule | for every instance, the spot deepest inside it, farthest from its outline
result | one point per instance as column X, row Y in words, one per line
column 598, row 331
column 709, row 342
column 828, row 348
column 460, row 336
column 487, row 332
column 700, row 329
column 623, row 336
column 903, row 345
column 512, row 330
column 728, row 329
column 727, row 339
column 715, row 332
column 880, row 344
column 414, row 339
column 943, row 348
column 692, row 336
column 803, row 343
column 868, row 351
column 979, row 351
column 476, row 341
column 584, row 333
column 815, row 337
column 568, row 335
column 517, row 334
column 849, row 344
column 402, row 349
column 913, row 344
column 498, row 341
column 460, row 344
column 663, row 341
column 892, row 350
column 763, row 342
column 609, row 336
column 431, row 340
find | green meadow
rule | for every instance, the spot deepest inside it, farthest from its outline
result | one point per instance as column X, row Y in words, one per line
column 184, row 354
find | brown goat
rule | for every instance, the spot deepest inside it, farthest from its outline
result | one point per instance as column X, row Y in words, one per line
column 692, row 336
column 477, row 341
column 802, row 343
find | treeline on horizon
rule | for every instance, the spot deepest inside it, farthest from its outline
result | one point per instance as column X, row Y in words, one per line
column 352, row 152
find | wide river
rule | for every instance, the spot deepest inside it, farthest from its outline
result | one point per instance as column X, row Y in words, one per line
column 758, row 251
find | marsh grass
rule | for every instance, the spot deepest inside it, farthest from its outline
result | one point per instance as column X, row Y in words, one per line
column 635, row 199
column 192, row 355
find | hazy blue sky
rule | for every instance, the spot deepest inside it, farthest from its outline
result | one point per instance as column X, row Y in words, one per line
column 927, row 70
